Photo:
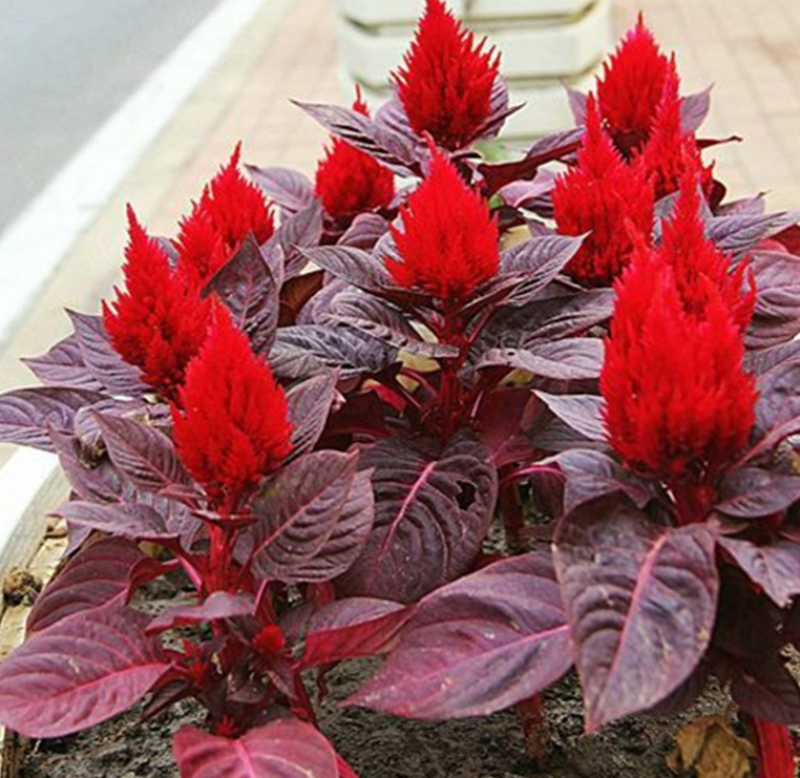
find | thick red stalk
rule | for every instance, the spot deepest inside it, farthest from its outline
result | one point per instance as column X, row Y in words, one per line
column 775, row 752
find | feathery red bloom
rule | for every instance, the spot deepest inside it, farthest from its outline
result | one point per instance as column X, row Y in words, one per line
column 630, row 90
column 159, row 323
column 446, row 79
column 678, row 402
column 229, row 209
column 602, row 196
column 232, row 427
column 701, row 270
column 670, row 154
column 448, row 243
column 349, row 181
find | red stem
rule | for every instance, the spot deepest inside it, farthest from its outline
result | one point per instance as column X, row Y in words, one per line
column 535, row 728
column 345, row 771
column 775, row 753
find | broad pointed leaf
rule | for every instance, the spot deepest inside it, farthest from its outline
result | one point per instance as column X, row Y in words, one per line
column 569, row 359
column 134, row 521
column 641, row 601
column 431, row 516
column 291, row 190
column 298, row 232
column 92, row 578
column 82, row 670
column 285, row 748
column 739, row 233
column 582, row 412
column 477, row 645
column 775, row 567
column 309, row 405
column 63, row 365
column 751, row 492
column 777, row 314
column 26, row 415
column 218, row 605
column 365, row 231
column 313, row 519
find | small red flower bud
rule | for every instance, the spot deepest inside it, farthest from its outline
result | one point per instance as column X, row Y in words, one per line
column 232, row 427
column 230, row 208
column 270, row 641
column 446, row 79
column 158, row 323
column 448, row 242
column 350, row 181
column 602, row 196
column 630, row 90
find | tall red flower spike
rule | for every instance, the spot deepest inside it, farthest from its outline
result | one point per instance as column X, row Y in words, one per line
column 350, row 181
column 670, row 155
column 602, row 196
column 448, row 243
column 230, row 208
column 630, row 89
column 678, row 402
column 701, row 270
column 159, row 323
column 231, row 428
column 446, row 79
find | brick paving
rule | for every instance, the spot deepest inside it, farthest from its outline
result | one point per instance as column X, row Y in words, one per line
column 750, row 50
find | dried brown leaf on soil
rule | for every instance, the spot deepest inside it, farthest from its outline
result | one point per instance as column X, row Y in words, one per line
column 710, row 747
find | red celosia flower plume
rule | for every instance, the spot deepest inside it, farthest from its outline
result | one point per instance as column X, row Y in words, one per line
column 670, row 155
column 701, row 270
column 350, row 181
column 446, row 79
column 602, row 196
column 230, row 208
column 232, row 427
column 159, row 323
column 630, row 90
column 678, row 402
column 448, row 242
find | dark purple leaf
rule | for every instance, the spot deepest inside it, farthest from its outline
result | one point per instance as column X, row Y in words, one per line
column 357, row 267
column 750, row 492
column 384, row 321
column 538, row 261
column 353, row 627
column 568, row 359
column 81, row 671
column 26, row 415
column 641, row 601
column 218, row 605
column 302, row 352
column 365, row 231
column 477, row 645
column 89, row 477
column 299, row 232
column 143, row 454
column 694, row 110
column 309, row 405
column 103, row 362
column 766, row 688
column 391, row 148
column 777, row 313
column 63, row 365
column 501, row 422
column 747, row 206
column 778, row 397
column 774, row 567
column 739, row 233
column 759, row 362
column 135, row 521
column 592, row 474
column 314, row 517
column 431, row 516
column 92, row 578
column 520, row 194
column 291, row 190
column 582, row 412
column 499, row 111
column 249, row 289
column 285, row 748
column 577, row 105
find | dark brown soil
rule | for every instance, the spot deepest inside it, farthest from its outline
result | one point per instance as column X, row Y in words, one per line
column 383, row 747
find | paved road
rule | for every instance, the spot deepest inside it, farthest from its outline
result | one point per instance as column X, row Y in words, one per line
column 65, row 66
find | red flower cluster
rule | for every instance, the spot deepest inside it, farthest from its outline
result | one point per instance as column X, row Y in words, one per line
column 631, row 87
column 702, row 271
column 231, row 428
column 349, row 181
column 229, row 209
column 449, row 242
column 446, row 79
column 670, row 155
column 678, row 402
column 602, row 196
column 159, row 323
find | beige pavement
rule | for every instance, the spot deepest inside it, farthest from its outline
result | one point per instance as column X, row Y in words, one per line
column 750, row 50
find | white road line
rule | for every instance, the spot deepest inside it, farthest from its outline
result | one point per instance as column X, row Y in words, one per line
column 34, row 243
